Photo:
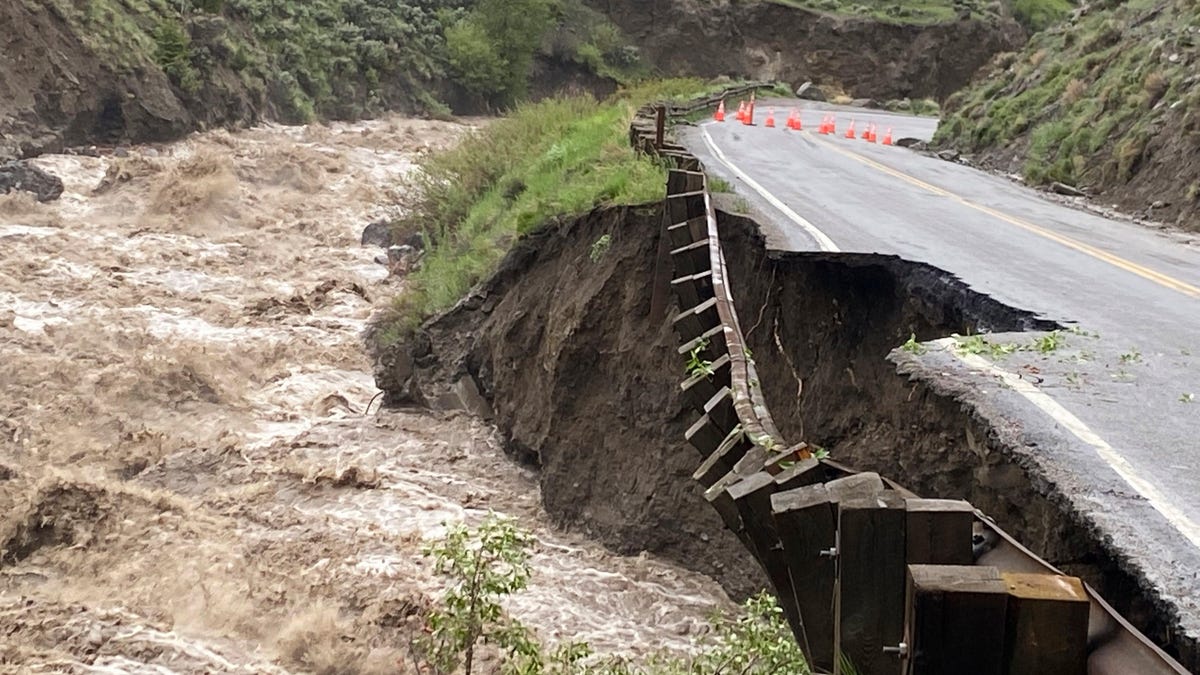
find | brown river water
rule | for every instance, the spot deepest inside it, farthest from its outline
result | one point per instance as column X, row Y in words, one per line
column 190, row 478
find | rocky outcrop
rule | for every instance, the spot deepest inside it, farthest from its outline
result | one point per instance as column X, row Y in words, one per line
column 774, row 41
column 57, row 91
column 23, row 176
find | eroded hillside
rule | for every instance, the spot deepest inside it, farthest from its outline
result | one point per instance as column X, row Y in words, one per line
column 879, row 55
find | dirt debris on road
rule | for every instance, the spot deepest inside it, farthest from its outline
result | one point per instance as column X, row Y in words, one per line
column 190, row 478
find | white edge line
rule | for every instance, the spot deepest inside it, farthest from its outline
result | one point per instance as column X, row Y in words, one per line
column 1177, row 518
column 823, row 241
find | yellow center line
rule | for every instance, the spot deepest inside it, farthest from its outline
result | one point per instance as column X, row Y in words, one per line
column 1087, row 249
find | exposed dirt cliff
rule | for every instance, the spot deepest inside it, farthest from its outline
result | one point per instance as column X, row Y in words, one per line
column 559, row 350
column 583, row 385
column 768, row 40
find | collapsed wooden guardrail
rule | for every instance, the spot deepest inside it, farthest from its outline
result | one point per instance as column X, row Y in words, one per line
column 867, row 573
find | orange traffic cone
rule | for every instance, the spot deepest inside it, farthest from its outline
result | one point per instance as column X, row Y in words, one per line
column 869, row 136
column 887, row 137
column 832, row 124
column 797, row 125
column 748, row 118
column 770, row 123
column 720, row 115
column 824, row 128
column 850, row 131
column 741, row 111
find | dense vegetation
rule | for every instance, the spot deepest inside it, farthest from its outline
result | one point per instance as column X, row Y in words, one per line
column 1102, row 102
column 338, row 58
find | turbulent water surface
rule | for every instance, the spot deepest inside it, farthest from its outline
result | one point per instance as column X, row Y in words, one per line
column 190, row 478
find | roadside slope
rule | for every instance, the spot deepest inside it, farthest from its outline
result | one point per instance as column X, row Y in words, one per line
column 1109, row 102
column 770, row 41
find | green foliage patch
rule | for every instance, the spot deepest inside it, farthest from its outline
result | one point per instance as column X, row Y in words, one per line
column 346, row 58
column 483, row 565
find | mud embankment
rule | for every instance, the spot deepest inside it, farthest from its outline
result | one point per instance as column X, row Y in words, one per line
column 773, row 41
column 584, row 384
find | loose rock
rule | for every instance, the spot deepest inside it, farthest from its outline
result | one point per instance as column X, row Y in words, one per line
column 21, row 175
column 378, row 233
column 1064, row 189
column 809, row 92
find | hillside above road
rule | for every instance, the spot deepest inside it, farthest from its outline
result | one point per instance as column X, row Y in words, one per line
column 1109, row 101
column 882, row 50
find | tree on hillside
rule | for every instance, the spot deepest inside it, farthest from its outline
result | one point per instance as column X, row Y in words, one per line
column 491, row 48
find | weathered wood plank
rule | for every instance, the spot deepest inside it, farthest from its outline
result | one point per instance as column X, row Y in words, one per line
column 721, row 462
column 691, row 259
column 698, row 389
column 685, row 206
column 752, row 495
column 697, row 319
column 939, row 532
column 869, row 608
column 855, row 486
column 1046, row 625
column 802, row 473
column 805, row 521
column 680, row 181
column 955, row 620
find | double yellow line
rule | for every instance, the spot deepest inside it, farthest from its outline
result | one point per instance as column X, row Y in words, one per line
column 1114, row 260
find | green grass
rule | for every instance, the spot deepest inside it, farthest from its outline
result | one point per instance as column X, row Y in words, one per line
column 557, row 158
column 889, row 11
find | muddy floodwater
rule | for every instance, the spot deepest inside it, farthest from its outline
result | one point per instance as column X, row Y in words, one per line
column 191, row 480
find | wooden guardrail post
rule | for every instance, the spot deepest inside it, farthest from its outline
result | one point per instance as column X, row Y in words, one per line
column 869, row 603
column 938, row 532
column 804, row 518
column 1047, row 624
column 660, row 125
column 955, row 620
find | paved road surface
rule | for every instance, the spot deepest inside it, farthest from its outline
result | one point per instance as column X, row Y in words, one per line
column 1113, row 413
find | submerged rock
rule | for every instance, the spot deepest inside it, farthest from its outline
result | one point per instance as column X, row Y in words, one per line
column 378, row 233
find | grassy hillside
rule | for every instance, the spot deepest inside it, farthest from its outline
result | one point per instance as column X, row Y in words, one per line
column 1110, row 101
column 555, row 159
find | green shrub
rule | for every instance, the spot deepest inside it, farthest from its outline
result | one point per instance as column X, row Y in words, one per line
column 491, row 48
column 1038, row 15
column 173, row 55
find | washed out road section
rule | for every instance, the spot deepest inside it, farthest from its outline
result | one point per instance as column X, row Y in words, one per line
column 1132, row 377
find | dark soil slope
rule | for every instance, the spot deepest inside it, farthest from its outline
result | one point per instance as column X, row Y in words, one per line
column 769, row 40
column 584, row 385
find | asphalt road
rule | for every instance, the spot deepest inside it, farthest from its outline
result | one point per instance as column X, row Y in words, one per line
column 1116, row 416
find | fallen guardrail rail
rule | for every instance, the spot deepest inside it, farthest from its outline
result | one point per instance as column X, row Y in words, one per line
column 872, row 578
